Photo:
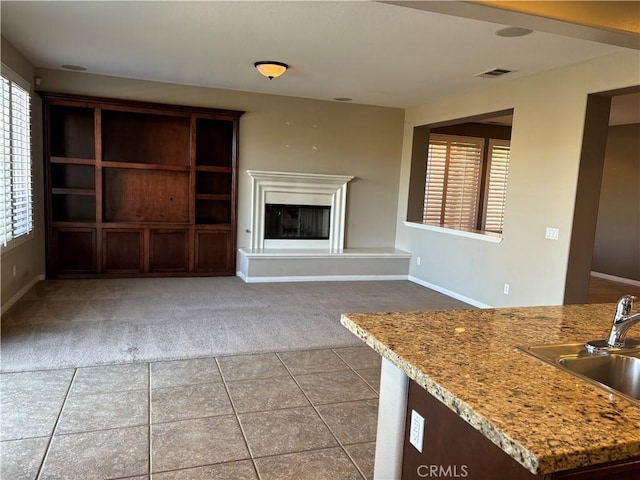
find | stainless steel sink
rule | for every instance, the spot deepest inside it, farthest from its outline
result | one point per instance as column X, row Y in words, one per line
column 617, row 371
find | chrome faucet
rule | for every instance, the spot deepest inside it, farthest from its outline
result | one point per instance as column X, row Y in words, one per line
column 622, row 321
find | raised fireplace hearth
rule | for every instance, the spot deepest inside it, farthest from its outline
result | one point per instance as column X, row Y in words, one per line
column 306, row 242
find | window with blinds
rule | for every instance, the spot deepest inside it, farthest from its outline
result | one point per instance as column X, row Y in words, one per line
column 16, row 200
column 452, row 186
column 496, row 185
column 456, row 175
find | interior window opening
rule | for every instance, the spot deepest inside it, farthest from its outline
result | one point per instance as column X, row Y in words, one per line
column 464, row 166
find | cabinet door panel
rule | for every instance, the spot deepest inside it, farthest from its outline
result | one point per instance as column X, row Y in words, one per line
column 73, row 250
column 214, row 252
column 450, row 442
column 169, row 250
column 122, row 250
column 621, row 470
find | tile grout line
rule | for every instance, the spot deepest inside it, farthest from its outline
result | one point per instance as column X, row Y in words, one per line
column 322, row 419
column 310, row 404
column 55, row 425
column 95, row 430
column 327, row 425
column 235, row 413
column 377, row 392
column 377, row 398
column 150, row 442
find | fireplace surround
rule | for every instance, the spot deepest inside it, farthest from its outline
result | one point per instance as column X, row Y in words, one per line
column 298, row 189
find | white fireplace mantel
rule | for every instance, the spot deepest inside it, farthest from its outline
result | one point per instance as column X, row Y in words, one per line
column 289, row 188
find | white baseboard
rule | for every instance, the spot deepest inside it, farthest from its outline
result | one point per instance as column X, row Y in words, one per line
column 613, row 278
column 449, row 293
column 322, row 278
column 9, row 303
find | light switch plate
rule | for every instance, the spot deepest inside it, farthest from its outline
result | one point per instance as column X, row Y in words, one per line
column 416, row 435
column 552, row 233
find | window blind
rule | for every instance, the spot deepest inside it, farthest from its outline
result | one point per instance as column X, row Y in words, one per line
column 5, row 172
column 454, row 166
column 435, row 181
column 16, row 200
column 496, row 185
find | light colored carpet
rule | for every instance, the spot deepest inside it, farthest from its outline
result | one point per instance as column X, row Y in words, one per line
column 75, row 323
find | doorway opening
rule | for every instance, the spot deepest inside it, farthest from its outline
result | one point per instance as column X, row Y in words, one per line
column 604, row 258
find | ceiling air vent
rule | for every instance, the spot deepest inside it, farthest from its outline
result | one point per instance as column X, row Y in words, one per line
column 493, row 73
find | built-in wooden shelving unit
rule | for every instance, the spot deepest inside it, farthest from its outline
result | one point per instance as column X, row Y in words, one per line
column 139, row 189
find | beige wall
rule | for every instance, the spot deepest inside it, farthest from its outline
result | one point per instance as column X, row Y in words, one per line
column 280, row 133
column 617, row 247
column 549, row 114
column 28, row 258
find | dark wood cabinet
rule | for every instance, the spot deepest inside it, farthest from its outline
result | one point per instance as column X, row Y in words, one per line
column 213, row 253
column 72, row 250
column 139, row 189
column 122, row 250
column 169, row 250
column 453, row 448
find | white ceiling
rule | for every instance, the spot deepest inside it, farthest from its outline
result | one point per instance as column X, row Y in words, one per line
column 375, row 53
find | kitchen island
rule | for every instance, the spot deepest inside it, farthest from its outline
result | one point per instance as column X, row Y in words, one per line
column 540, row 416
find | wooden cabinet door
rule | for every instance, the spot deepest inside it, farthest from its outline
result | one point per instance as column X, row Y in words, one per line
column 450, row 443
column 122, row 250
column 214, row 252
column 169, row 250
column 72, row 251
column 621, row 470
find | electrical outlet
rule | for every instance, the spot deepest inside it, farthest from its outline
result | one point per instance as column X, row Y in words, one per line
column 552, row 233
column 418, row 259
column 416, row 435
column 506, row 289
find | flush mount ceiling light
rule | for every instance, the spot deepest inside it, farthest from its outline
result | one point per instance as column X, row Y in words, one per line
column 513, row 32
column 271, row 69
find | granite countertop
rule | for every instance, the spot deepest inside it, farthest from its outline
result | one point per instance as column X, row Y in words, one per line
column 546, row 419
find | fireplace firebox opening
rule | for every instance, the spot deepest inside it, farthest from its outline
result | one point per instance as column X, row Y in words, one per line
column 300, row 222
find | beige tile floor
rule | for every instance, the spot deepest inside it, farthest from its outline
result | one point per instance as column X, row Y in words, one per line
column 285, row 415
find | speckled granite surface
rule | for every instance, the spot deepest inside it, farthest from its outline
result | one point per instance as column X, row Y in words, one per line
column 543, row 417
